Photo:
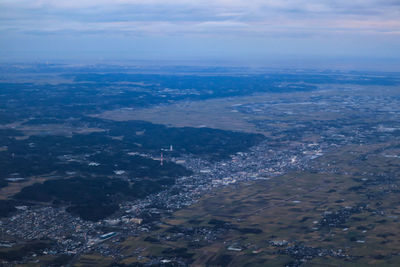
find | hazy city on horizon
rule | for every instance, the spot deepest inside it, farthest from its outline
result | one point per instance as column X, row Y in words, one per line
column 295, row 33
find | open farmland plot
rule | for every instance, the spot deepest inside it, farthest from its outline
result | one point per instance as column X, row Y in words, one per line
column 341, row 219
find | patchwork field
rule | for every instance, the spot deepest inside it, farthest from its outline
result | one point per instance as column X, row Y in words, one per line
column 227, row 113
column 320, row 218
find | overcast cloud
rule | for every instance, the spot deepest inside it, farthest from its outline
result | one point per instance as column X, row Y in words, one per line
column 154, row 28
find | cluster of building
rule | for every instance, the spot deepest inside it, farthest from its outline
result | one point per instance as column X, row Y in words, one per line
column 74, row 235
column 264, row 161
column 302, row 253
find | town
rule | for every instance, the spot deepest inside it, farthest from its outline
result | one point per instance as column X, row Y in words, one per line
column 283, row 150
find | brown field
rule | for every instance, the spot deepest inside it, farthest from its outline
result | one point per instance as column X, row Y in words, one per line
column 219, row 113
column 214, row 113
column 14, row 187
column 286, row 208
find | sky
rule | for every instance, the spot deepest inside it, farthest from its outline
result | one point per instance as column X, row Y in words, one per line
column 358, row 33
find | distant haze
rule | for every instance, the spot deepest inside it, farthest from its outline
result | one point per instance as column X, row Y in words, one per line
column 299, row 33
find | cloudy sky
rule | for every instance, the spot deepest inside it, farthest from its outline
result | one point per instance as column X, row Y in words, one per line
column 248, row 31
